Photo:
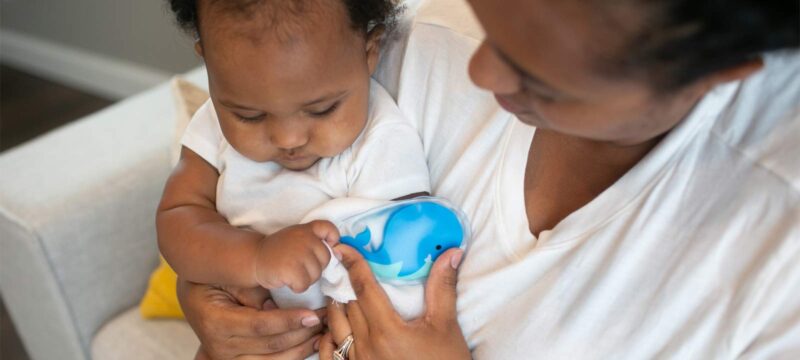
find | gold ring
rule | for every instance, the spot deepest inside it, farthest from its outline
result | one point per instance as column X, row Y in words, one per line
column 341, row 352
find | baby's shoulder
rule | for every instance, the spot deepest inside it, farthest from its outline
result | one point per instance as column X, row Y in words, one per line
column 384, row 119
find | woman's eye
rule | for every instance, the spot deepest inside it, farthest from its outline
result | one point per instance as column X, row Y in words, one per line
column 546, row 98
column 325, row 112
column 250, row 119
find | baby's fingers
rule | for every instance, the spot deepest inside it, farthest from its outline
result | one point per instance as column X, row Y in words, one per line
column 326, row 231
column 322, row 254
column 300, row 280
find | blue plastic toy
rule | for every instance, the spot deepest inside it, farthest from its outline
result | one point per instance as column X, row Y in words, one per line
column 401, row 241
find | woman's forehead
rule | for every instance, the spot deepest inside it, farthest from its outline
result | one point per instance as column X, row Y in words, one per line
column 559, row 41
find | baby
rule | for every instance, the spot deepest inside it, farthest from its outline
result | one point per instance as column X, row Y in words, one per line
column 293, row 121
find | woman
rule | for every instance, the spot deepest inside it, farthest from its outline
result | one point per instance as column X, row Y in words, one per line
column 650, row 211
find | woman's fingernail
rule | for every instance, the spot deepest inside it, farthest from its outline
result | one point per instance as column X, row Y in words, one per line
column 316, row 344
column 310, row 321
column 455, row 260
column 338, row 254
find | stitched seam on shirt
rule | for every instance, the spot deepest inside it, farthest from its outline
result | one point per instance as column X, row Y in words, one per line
column 753, row 160
column 499, row 215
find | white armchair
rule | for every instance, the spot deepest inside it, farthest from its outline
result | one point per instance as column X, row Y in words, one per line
column 77, row 233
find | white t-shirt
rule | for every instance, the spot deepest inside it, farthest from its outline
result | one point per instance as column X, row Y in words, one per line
column 385, row 162
column 693, row 254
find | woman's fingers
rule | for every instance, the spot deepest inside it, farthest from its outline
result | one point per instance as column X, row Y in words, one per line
column 338, row 324
column 326, row 347
column 249, row 322
column 371, row 297
column 301, row 351
column 253, row 297
column 271, row 344
column 440, row 290
column 358, row 323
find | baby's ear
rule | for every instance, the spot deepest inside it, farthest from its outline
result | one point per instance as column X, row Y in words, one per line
column 374, row 38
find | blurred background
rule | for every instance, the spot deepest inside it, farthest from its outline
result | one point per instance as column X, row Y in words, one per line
column 70, row 57
column 63, row 59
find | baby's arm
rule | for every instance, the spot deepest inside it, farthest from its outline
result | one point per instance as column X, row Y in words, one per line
column 203, row 247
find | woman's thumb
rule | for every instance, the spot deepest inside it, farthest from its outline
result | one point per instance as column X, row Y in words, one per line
column 440, row 290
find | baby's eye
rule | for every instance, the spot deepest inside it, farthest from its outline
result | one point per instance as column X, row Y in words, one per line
column 325, row 112
column 250, row 119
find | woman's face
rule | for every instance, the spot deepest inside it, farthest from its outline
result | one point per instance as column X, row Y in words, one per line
column 546, row 61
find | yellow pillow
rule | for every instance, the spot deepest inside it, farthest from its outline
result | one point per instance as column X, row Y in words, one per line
column 161, row 298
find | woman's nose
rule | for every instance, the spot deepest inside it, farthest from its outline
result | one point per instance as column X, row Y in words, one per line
column 288, row 136
column 490, row 72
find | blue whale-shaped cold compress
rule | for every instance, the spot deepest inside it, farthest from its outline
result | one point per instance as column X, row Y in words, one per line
column 414, row 235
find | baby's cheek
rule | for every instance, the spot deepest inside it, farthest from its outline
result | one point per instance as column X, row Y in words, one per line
column 256, row 151
column 334, row 138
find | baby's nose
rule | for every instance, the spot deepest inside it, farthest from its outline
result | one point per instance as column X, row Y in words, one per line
column 288, row 138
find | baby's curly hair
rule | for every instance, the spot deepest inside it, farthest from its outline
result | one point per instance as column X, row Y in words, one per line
column 364, row 14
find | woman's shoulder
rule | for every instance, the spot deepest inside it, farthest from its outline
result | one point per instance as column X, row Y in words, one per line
column 762, row 122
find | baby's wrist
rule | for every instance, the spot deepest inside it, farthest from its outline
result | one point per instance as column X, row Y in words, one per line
column 259, row 266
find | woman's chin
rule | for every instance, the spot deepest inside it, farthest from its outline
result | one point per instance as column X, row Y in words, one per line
column 532, row 120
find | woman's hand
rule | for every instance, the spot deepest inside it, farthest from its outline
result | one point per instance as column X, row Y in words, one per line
column 230, row 324
column 380, row 333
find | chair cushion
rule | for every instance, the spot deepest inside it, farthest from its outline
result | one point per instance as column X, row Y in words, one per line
column 128, row 336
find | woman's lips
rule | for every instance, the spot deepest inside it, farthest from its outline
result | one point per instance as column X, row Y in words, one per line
column 510, row 105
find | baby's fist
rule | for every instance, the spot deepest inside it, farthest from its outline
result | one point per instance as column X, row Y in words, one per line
column 295, row 256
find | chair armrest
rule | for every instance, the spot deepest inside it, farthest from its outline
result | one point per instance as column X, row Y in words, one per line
column 77, row 222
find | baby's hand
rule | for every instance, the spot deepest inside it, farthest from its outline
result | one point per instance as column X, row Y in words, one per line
column 295, row 256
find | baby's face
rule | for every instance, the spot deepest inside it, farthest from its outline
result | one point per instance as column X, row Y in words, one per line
column 293, row 99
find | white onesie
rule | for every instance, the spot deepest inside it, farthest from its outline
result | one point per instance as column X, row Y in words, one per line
column 385, row 162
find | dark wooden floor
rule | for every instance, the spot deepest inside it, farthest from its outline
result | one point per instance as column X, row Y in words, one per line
column 10, row 345
column 29, row 107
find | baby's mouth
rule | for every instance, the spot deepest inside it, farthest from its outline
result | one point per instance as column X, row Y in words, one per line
column 292, row 154
column 295, row 156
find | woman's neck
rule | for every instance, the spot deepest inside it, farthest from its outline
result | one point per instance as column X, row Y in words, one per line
column 564, row 173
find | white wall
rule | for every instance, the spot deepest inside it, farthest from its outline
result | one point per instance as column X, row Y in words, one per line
column 112, row 48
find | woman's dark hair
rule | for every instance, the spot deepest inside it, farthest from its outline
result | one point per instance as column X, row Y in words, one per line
column 364, row 14
column 688, row 39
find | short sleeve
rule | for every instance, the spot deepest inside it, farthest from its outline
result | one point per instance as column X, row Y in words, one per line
column 204, row 136
column 388, row 160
